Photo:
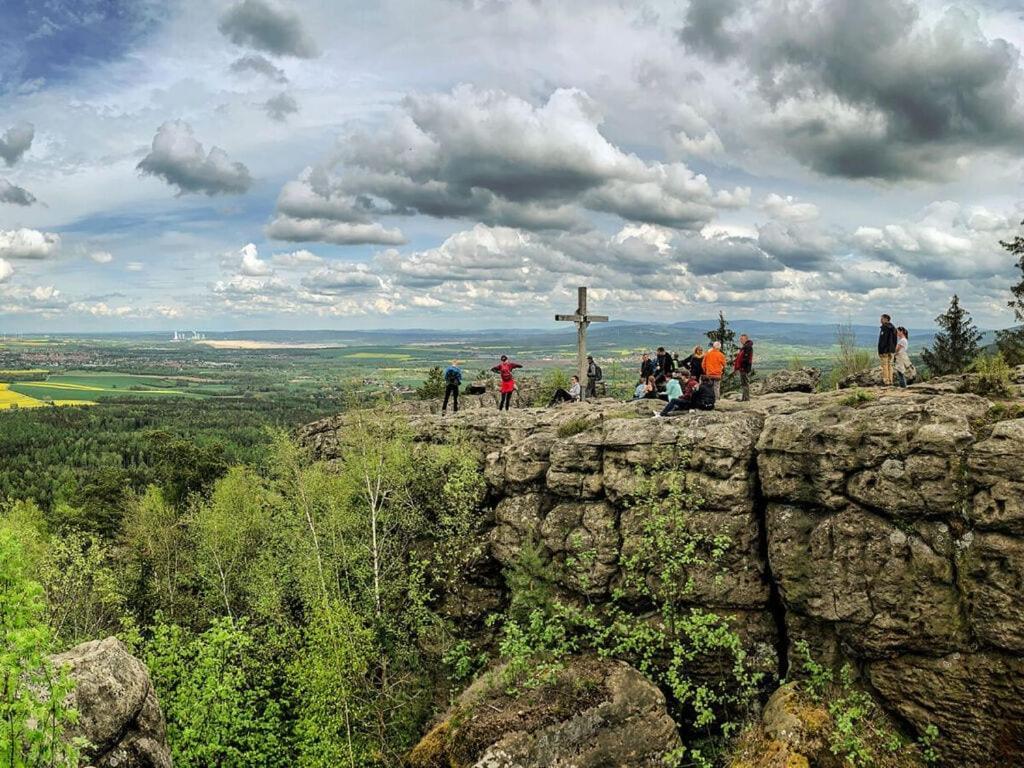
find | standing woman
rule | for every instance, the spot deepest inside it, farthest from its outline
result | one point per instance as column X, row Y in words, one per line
column 901, row 363
column 695, row 362
column 508, row 383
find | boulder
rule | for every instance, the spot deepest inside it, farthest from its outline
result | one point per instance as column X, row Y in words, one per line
column 591, row 713
column 802, row 380
column 119, row 715
column 870, row 378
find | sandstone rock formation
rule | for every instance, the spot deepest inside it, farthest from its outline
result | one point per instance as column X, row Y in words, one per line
column 869, row 378
column 593, row 713
column 886, row 531
column 119, row 715
column 802, row 380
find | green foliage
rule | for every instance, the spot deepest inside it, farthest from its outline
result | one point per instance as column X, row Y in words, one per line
column 991, row 376
column 724, row 334
column 956, row 346
column 574, row 426
column 214, row 690
column 849, row 358
column 552, row 380
column 667, row 639
column 1011, row 341
column 433, row 386
column 33, row 709
column 857, row 397
column 857, row 731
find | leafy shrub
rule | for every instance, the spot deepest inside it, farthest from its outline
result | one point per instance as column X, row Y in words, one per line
column 990, row 376
column 574, row 426
column 857, row 397
column 553, row 379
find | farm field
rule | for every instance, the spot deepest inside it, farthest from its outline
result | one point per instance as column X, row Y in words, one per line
column 79, row 387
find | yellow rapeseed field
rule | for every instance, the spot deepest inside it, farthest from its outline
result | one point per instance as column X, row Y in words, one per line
column 9, row 399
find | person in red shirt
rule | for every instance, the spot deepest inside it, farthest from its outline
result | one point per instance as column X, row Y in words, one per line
column 508, row 383
column 714, row 366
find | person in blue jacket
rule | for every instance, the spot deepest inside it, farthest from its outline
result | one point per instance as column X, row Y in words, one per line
column 452, row 382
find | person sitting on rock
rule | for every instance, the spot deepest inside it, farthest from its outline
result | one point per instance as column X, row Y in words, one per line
column 508, row 383
column 651, row 388
column 571, row 395
column 683, row 402
column 640, row 389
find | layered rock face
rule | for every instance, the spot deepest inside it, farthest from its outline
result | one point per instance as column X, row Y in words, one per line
column 119, row 715
column 888, row 532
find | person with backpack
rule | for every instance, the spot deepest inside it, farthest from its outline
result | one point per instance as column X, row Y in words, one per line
column 594, row 375
column 452, row 382
column 713, row 367
column 508, row 383
column 744, row 364
column 571, row 395
column 886, row 348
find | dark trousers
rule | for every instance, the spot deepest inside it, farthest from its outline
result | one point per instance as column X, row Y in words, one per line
column 591, row 387
column 901, row 379
column 452, row 391
column 676, row 404
column 560, row 396
column 744, row 385
column 505, row 402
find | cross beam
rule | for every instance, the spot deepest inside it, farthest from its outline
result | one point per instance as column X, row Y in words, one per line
column 582, row 320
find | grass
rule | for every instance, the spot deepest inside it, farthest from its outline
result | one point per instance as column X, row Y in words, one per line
column 83, row 388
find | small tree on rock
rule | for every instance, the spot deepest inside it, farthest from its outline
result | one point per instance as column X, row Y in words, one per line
column 1011, row 341
column 956, row 346
column 724, row 334
column 433, row 386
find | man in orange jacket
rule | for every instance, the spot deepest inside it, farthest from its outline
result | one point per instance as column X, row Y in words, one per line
column 714, row 366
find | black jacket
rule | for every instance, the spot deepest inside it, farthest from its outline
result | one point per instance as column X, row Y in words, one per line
column 666, row 365
column 646, row 369
column 887, row 339
column 745, row 357
column 704, row 397
column 695, row 365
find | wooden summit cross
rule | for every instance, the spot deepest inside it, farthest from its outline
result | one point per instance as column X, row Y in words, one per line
column 582, row 320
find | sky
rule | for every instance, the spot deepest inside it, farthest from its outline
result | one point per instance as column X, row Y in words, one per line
column 242, row 164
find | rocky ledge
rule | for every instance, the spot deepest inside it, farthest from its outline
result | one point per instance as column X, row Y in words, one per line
column 884, row 528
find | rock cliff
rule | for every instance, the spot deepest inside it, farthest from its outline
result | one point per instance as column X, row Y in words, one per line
column 884, row 528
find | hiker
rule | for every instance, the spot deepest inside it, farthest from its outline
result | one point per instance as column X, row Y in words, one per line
column 713, row 367
column 508, row 383
column 594, row 375
column 681, row 403
column 664, row 365
column 901, row 361
column 646, row 367
column 886, row 348
column 452, row 382
column 571, row 395
column 694, row 362
column 744, row 364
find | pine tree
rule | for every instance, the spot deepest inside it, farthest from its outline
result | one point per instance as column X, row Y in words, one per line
column 956, row 346
column 1011, row 341
column 724, row 334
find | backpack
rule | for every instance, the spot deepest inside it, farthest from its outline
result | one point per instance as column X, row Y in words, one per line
column 451, row 376
column 598, row 373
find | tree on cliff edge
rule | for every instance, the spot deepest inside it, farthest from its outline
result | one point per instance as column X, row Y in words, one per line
column 1011, row 341
column 956, row 346
column 724, row 334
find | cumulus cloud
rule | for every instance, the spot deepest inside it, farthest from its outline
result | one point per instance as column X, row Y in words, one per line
column 334, row 232
column 341, row 279
column 249, row 263
column 14, row 195
column 179, row 159
column 260, row 65
column 28, row 244
column 280, row 106
column 491, row 157
column 788, row 208
column 946, row 242
column 870, row 88
column 267, row 27
column 300, row 259
column 16, row 141
column 101, row 257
